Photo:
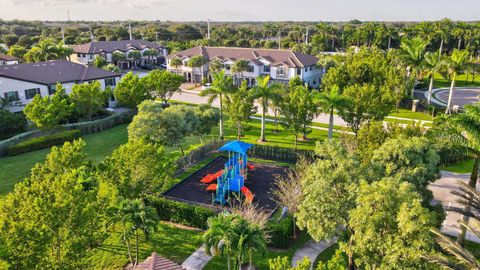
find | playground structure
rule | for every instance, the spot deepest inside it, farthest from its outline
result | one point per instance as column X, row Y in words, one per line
column 232, row 177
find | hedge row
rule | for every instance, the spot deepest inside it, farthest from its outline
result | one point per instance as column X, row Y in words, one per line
column 281, row 232
column 102, row 124
column 279, row 153
column 182, row 213
column 43, row 142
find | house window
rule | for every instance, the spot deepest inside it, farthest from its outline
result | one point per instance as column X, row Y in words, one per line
column 299, row 71
column 281, row 71
column 266, row 69
column 227, row 67
column 110, row 82
column 31, row 93
column 250, row 68
column 11, row 96
column 314, row 82
column 52, row 89
column 79, row 55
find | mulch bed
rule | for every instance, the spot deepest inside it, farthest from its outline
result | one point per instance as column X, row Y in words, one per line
column 259, row 181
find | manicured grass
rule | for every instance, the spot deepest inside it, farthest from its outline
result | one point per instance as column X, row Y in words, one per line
column 404, row 113
column 98, row 146
column 440, row 82
column 168, row 241
column 460, row 167
column 260, row 260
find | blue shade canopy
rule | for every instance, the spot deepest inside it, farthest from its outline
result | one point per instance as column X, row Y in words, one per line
column 237, row 147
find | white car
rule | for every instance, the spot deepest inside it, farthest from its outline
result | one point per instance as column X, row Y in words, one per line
column 206, row 86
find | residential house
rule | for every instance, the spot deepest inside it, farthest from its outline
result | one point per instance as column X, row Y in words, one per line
column 20, row 83
column 86, row 53
column 7, row 60
column 281, row 65
column 156, row 262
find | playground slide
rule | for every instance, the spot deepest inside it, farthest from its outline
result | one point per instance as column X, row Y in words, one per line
column 248, row 194
column 211, row 177
column 212, row 187
column 250, row 166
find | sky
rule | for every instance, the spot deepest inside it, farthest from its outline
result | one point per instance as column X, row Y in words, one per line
column 241, row 10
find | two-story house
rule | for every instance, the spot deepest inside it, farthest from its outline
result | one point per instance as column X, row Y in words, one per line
column 20, row 83
column 7, row 60
column 86, row 53
column 281, row 65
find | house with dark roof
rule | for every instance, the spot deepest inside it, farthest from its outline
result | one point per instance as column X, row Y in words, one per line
column 156, row 262
column 281, row 65
column 20, row 83
column 7, row 60
column 151, row 53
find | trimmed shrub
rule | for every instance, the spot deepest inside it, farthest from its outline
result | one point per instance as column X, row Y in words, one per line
column 102, row 124
column 11, row 124
column 43, row 142
column 182, row 213
column 279, row 153
column 281, row 232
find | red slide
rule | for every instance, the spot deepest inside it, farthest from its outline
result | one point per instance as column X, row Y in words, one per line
column 250, row 166
column 211, row 177
column 248, row 194
column 212, row 187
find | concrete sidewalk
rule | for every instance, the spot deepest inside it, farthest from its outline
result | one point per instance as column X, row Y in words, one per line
column 312, row 249
column 197, row 260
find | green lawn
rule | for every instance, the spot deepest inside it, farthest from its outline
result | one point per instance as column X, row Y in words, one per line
column 404, row 113
column 460, row 167
column 168, row 241
column 98, row 146
column 260, row 260
column 440, row 82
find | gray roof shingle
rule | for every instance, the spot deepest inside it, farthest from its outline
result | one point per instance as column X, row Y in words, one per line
column 111, row 46
column 5, row 57
column 51, row 72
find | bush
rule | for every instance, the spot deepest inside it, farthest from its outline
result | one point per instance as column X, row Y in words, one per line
column 102, row 124
column 279, row 153
column 281, row 232
column 182, row 213
column 11, row 124
column 43, row 142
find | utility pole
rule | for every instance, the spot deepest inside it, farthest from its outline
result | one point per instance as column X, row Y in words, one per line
column 68, row 15
column 130, row 30
column 306, row 37
column 63, row 35
column 279, row 38
column 208, row 28
column 92, row 37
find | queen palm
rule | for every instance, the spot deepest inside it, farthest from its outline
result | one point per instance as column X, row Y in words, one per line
column 196, row 61
column 221, row 86
column 431, row 67
column 176, row 63
column 135, row 56
column 331, row 101
column 250, row 237
column 215, row 66
column 455, row 65
column 442, row 29
column 265, row 93
column 412, row 53
column 117, row 57
column 220, row 235
column 238, row 68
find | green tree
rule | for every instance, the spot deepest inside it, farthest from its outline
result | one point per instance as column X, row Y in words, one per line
column 99, row 62
column 283, row 263
column 265, row 92
column 249, row 238
column 176, row 63
column 52, row 219
column 89, row 98
column 215, row 66
column 11, row 124
column 391, row 229
column 329, row 102
column 239, row 107
column 136, row 56
column 17, row 51
column 238, row 68
column 195, row 62
column 118, row 57
column 297, row 109
column 49, row 111
column 455, row 64
column 431, row 67
column 220, row 236
column 222, row 86
column 412, row 53
column 138, row 169
column 136, row 218
column 131, row 91
column 163, row 84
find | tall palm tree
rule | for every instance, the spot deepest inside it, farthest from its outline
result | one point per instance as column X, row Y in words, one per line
column 117, row 57
column 220, row 235
column 238, row 68
column 176, row 63
column 135, row 56
column 136, row 217
column 221, row 86
column 431, row 67
column 250, row 237
column 412, row 53
column 331, row 101
column 455, row 64
column 266, row 93
column 215, row 66
column 197, row 61
column 443, row 29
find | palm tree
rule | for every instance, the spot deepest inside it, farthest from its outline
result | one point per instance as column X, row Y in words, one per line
column 412, row 53
column 331, row 101
column 220, row 235
column 221, row 86
column 432, row 65
column 196, row 61
column 455, row 64
column 150, row 54
column 442, row 29
column 135, row 56
column 266, row 93
column 249, row 238
column 238, row 68
column 117, row 57
column 136, row 217
column 176, row 63
column 215, row 66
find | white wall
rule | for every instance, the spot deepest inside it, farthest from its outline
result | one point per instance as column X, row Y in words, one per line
column 3, row 63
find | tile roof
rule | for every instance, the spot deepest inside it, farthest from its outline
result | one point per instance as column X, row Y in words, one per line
column 111, row 46
column 276, row 57
column 51, row 72
column 156, row 262
column 5, row 57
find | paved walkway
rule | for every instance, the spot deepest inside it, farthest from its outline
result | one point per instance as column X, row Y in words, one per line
column 461, row 96
column 197, row 260
column 442, row 189
column 312, row 249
